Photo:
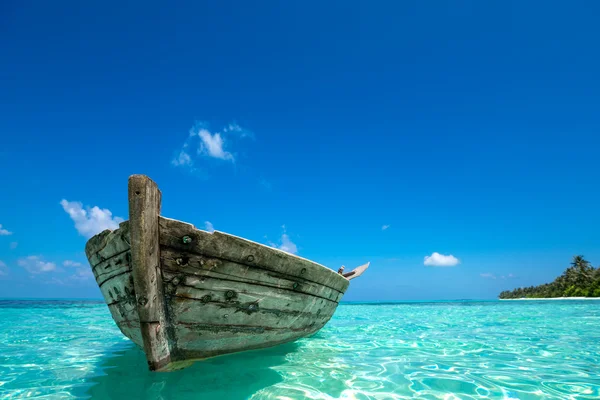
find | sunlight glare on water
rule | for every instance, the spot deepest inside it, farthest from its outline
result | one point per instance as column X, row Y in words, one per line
column 435, row 350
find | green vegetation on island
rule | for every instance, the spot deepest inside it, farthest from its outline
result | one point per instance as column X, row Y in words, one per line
column 579, row 280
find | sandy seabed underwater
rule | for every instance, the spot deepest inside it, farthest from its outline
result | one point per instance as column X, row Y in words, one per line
column 423, row 350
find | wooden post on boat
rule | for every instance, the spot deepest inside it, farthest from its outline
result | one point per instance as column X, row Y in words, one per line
column 144, row 211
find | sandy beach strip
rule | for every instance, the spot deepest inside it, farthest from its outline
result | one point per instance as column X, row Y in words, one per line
column 555, row 298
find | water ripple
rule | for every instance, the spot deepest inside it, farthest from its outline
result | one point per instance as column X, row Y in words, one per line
column 460, row 350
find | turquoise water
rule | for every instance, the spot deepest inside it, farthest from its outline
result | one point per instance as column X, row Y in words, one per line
column 444, row 350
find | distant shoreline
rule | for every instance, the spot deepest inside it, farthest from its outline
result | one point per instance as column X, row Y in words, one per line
column 554, row 298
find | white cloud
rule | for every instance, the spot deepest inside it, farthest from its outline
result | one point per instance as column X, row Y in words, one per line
column 439, row 260
column 90, row 221
column 286, row 243
column 383, row 228
column 233, row 128
column 82, row 274
column 489, row 275
column 54, row 281
column 238, row 130
column 13, row 245
column 182, row 159
column 69, row 263
column 36, row 265
column 3, row 268
column 209, row 226
column 4, row 232
column 212, row 145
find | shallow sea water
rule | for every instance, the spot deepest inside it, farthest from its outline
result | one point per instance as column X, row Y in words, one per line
column 435, row 350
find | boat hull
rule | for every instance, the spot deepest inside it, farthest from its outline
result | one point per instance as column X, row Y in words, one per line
column 211, row 293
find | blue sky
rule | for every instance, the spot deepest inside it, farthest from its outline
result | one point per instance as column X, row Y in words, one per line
column 467, row 129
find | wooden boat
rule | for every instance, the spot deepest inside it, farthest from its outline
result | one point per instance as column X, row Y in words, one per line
column 184, row 294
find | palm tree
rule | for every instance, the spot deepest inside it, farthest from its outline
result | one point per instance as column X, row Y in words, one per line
column 582, row 271
column 579, row 261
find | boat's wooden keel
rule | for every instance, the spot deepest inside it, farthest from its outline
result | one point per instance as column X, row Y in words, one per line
column 144, row 211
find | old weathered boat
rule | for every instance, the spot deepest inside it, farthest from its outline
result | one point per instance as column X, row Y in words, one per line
column 184, row 294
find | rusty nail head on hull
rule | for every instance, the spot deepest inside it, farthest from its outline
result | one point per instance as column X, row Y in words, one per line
column 230, row 294
column 176, row 281
column 186, row 239
column 142, row 301
column 303, row 271
column 250, row 258
column 206, row 298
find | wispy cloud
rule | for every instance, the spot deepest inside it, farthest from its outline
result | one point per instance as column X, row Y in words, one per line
column 233, row 127
column 36, row 265
column 3, row 269
column 440, row 260
column 49, row 273
column 285, row 243
column 182, row 159
column 241, row 132
column 13, row 245
column 209, row 226
column 384, row 227
column 70, row 263
column 204, row 143
column 212, row 145
column 489, row 275
column 82, row 274
column 90, row 221
column 4, row 232
column 265, row 184
column 54, row 281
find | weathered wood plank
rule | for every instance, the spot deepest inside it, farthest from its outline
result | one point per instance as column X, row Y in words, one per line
column 114, row 266
column 185, row 237
column 240, row 344
column 216, row 290
column 187, row 312
column 202, row 342
column 96, row 243
column 207, row 267
column 108, row 244
column 118, row 288
column 144, row 211
column 102, row 277
column 113, row 262
column 124, row 314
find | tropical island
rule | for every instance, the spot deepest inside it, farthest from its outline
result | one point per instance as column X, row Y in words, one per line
column 580, row 279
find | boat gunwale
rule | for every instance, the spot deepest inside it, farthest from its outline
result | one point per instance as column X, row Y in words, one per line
column 123, row 225
column 260, row 245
